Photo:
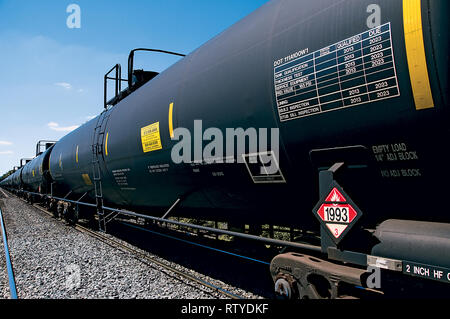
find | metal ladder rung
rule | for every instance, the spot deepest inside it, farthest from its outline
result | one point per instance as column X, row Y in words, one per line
column 96, row 170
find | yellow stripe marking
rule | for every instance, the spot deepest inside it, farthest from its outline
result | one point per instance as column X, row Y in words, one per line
column 415, row 50
column 76, row 155
column 106, row 144
column 171, row 120
column 87, row 179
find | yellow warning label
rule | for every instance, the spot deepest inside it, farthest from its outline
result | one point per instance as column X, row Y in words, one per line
column 87, row 179
column 150, row 137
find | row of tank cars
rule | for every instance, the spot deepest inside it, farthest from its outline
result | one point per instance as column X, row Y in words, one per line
column 359, row 93
column 32, row 179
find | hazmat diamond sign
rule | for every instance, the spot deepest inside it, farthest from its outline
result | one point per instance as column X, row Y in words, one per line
column 337, row 213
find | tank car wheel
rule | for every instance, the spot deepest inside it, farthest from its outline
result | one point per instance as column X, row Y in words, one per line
column 70, row 214
column 46, row 202
column 52, row 207
column 285, row 288
column 59, row 210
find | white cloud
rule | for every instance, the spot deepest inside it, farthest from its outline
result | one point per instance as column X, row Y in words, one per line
column 5, row 143
column 69, row 87
column 90, row 117
column 55, row 127
column 6, row 153
column 65, row 85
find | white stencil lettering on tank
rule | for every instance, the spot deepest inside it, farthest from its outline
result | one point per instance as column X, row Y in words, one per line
column 357, row 70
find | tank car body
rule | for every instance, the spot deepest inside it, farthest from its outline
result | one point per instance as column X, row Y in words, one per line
column 16, row 178
column 35, row 176
column 70, row 161
column 337, row 90
column 6, row 182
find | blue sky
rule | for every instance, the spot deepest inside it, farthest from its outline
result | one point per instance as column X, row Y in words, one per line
column 51, row 76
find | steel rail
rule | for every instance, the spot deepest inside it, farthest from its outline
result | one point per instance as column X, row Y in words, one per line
column 3, row 192
column 12, row 282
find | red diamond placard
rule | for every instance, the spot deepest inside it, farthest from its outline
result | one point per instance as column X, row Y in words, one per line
column 337, row 213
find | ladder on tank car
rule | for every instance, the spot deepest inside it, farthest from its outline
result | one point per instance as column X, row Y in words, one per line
column 97, row 149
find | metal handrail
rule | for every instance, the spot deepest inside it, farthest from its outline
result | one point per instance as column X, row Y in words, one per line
column 118, row 83
column 43, row 142
column 131, row 61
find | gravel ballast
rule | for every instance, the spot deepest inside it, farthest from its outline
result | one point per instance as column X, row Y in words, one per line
column 54, row 261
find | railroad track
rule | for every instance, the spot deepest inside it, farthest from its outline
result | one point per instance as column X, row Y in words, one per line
column 4, row 194
column 9, row 266
column 144, row 257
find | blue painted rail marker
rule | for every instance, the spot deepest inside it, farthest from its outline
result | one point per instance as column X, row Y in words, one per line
column 12, row 283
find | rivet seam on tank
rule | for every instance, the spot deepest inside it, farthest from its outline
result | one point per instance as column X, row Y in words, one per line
column 415, row 50
column 171, row 120
column 106, row 143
